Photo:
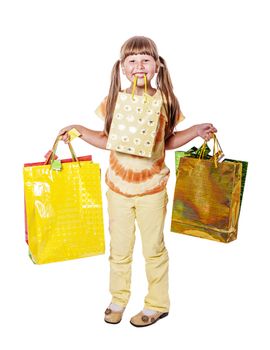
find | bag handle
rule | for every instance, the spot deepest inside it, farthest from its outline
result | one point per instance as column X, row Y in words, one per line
column 135, row 84
column 50, row 159
column 217, row 151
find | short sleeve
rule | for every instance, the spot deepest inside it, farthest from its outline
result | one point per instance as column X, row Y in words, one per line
column 180, row 118
column 101, row 109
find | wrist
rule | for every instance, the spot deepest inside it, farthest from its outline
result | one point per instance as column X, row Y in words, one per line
column 195, row 130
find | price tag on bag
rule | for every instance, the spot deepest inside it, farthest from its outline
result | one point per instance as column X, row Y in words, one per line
column 56, row 165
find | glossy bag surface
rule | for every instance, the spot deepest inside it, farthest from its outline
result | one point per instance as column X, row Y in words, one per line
column 64, row 216
column 207, row 198
column 194, row 152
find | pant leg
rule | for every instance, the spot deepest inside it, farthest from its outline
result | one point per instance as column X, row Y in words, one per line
column 150, row 215
column 122, row 231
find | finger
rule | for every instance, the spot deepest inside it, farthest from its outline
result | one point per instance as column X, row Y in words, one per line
column 209, row 135
column 61, row 132
column 206, row 137
column 64, row 137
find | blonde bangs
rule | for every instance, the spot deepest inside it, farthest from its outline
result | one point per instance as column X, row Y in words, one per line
column 139, row 45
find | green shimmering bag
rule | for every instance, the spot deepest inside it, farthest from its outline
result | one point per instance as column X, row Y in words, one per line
column 208, row 194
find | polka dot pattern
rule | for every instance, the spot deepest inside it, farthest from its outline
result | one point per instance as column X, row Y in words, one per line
column 134, row 124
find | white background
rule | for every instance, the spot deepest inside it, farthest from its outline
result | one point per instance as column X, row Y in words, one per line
column 56, row 59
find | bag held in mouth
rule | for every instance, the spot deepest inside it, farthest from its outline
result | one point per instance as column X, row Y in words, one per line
column 135, row 121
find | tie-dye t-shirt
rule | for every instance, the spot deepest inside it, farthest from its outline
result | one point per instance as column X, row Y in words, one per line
column 132, row 175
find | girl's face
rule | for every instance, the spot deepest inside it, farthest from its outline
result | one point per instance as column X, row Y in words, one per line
column 139, row 65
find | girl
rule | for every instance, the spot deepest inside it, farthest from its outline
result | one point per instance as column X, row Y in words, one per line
column 137, row 185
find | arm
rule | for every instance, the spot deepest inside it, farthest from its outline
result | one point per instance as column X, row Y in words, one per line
column 182, row 137
column 93, row 137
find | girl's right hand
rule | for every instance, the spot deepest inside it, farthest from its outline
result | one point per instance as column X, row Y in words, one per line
column 63, row 133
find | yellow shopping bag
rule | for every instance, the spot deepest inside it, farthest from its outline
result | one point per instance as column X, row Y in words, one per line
column 134, row 124
column 63, row 207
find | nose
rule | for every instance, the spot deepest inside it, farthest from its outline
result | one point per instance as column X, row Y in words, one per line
column 139, row 65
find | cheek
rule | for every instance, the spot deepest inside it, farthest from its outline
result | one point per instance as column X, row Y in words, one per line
column 152, row 69
column 128, row 69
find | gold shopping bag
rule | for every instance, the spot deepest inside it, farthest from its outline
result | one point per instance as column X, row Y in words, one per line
column 207, row 198
column 63, row 209
column 134, row 124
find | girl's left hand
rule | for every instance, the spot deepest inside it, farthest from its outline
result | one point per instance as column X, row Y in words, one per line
column 205, row 131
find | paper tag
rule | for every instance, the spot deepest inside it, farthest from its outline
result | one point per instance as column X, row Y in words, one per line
column 219, row 156
column 48, row 154
column 73, row 133
column 56, row 165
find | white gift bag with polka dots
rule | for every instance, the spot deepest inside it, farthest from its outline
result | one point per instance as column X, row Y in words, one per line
column 134, row 124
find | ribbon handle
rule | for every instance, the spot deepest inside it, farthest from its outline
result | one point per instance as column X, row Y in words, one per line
column 218, row 154
column 217, row 151
column 51, row 158
column 135, row 84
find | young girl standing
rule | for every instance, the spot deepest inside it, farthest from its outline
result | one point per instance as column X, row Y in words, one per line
column 137, row 185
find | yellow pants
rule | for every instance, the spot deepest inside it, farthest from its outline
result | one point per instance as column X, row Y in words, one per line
column 149, row 211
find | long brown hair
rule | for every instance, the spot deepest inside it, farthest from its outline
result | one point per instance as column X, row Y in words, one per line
column 142, row 45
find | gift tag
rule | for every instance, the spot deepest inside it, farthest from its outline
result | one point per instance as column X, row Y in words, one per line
column 73, row 133
column 56, row 164
column 219, row 156
column 48, row 154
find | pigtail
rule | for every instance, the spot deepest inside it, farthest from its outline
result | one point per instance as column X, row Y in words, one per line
column 115, row 87
column 172, row 107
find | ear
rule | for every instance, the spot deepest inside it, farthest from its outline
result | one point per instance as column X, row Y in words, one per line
column 157, row 66
column 123, row 69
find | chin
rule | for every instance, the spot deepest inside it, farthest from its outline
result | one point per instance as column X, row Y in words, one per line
column 140, row 84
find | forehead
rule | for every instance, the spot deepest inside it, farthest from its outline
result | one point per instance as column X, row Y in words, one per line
column 139, row 56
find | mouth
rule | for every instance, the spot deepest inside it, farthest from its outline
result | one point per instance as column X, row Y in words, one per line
column 139, row 74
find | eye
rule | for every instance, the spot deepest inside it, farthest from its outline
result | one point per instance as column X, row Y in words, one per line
column 132, row 61
column 146, row 60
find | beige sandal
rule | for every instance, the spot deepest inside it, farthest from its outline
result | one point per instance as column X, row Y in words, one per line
column 113, row 317
column 142, row 320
